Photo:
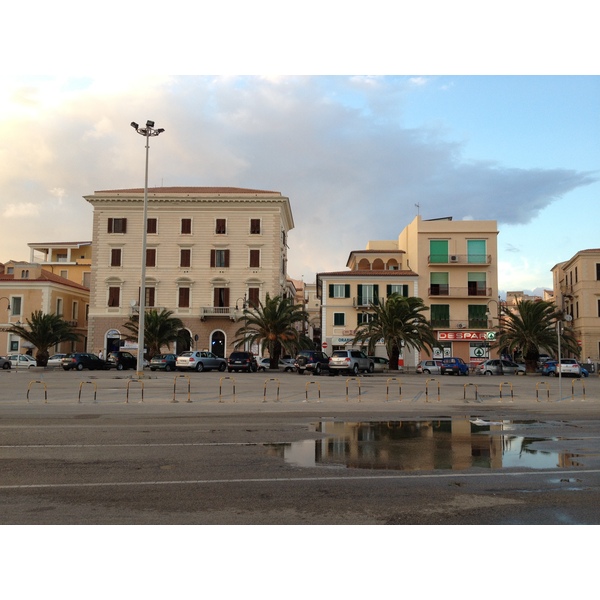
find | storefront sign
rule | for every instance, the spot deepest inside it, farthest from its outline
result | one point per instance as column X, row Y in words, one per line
column 467, row 336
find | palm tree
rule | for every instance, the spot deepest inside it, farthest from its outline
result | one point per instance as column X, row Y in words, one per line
column 272, row 325
column 160, row 329
column 44, row 331
column 532, row 328
column 398, row 321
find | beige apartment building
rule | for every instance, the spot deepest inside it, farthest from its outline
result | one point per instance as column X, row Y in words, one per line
column 27, row 287
column 209, row 252
column 451, row 265
column 576, row 284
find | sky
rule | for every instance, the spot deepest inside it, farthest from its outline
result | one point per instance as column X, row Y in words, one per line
column 355, row 151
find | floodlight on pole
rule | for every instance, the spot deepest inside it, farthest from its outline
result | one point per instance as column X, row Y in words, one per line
column 147, row 132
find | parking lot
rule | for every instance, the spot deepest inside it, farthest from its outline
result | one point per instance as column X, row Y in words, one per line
column 279, row 448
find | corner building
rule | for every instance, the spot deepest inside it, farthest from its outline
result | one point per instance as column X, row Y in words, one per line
column 208, row 251
column 451, row 265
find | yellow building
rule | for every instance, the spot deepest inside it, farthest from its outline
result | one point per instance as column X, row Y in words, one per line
column 209, row 251
column 27, row 287
column 451, row 265
column 576, row 284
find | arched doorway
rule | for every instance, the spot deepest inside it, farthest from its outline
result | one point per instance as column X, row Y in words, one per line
column 184, row 341
column 217, row 343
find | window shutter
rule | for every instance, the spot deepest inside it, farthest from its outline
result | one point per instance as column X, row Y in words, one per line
column 359, row 294
column 213, row 254
column 227, row 263
column 110, row 225
column 376, row 294
column 347, row 290
column 331, row 290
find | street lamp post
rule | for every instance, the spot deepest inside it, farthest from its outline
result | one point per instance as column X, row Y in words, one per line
column 147, row 132
column 489, row 315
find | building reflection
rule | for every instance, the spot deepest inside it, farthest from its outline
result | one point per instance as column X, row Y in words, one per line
column 456, row 444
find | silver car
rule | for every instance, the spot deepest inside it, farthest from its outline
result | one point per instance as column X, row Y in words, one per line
column 492, row 367
column 200, row 361
column 350, row 361
column 429, row 367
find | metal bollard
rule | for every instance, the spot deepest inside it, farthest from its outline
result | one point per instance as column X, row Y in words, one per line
column 573, row 389
column 221, row 387
column 265, row 389
column 511, row 390
column 134, row 381
column 45, row 390
column 175, row 388
column 306, row 389
column 91, row 383
column 537, row 385
column 427, row 389
column 465, row 391
column 387, row 389
column 357, row 382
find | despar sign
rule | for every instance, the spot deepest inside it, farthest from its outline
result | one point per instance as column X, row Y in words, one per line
column 478, row 336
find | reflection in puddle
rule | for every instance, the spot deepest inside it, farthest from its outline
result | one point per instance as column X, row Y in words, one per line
column 424, row 445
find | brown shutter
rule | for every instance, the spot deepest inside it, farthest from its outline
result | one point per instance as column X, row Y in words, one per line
column 227, row 260
column 110, row 225
column 255, row 258
column 213, row 254
column 225, row 296
column 184, row 297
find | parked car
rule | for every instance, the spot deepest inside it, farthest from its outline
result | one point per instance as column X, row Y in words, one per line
column 163, row 362
column 351, row 361
column 83, row 360
column 492, row 367
column 380, row 364
column 313, row 361
column 56, row 360
column 454, row 365
column 121, row 360
column 568, row 366
column 429, row 367
column 264, row 363
column 242, row 361
column 584, row 371
column 22, row 361
column 200, row 361
column 5, row 363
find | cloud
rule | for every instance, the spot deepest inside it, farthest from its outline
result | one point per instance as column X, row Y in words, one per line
column 335, row 145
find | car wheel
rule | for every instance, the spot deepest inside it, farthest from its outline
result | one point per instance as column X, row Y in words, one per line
column 199, row 367
column 487, row 373
column 427, row 371
column 371, row 368
column 355, row 370
column 79, row 367
column 6, row 365
column 317, row 370
column 552, row 374
column 167, row 368
column 119, row 367
column 222, row 367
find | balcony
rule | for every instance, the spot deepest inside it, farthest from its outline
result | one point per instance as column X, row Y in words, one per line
column 460, row 323
column 459, row 259
column 220, row 312
column 459, row 292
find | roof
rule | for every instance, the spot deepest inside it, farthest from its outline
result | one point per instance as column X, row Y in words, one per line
column 60, row 244
column 368, row 273
column 188, row 190
column 45, row 277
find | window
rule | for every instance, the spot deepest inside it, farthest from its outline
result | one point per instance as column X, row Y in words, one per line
column 339, row 319
column 15, row 306
column 476, row 283
column 478, row 316
column 364, row 318
column 339, row 290
column 150, row 296
column 219, row 258
column 401, row 290
column 440, row 315
column 254, row 226
column 185, row 257
column 368, row 294
column 114, row 294
column 87, row 278
column 184, row 297
column 597, row 271
column 253, row 296
column 438, row 251
column 75, row 311
column 64, row 274
column 150, row 257
column 59, row 307
column 61, row 257
column 221, row 226
column 115, row 257
column 186, row 226
column 152, row 225
column 438, row 284
column 117, row 225
column 476, row 251
column 87, row 312
column 221, row 297
column 254, row 259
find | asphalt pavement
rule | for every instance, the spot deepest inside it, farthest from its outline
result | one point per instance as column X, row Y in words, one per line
column 279, row 448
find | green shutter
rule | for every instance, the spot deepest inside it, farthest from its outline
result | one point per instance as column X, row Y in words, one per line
column 331, row 290
column 476, row 251
column 376, row 294
column 347, row 290
column 438, row 251
column 359, row 294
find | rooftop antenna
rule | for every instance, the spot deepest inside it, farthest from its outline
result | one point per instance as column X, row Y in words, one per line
column 418, row 207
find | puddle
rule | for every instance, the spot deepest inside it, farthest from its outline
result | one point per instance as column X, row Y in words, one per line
column 455, row 444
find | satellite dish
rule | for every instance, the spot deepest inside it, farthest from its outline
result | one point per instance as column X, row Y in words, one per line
column 568, row 318
column 133, row 303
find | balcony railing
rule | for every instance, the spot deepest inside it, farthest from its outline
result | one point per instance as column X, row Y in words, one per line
column 222, row 312
column 460, row 323
column 459, row 259
column 459, row 292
